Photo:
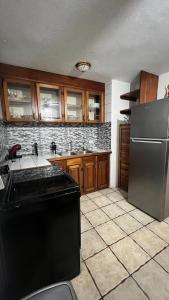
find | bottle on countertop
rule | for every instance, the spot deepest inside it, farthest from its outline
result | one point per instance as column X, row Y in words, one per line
column 35, row 149
column 53, row 148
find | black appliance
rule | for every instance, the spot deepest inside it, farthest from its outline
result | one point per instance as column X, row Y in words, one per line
column 35, row 149
column 60, row 291
column 149, row 151
column 13, row 151
column 39, row 230
column 53, row 147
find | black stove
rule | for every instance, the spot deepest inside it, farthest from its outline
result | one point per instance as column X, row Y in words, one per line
column 39, row 230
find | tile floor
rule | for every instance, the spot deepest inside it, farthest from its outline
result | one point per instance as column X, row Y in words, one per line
column 125, row 252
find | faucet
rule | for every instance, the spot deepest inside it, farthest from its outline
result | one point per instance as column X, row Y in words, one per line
column 71, row 145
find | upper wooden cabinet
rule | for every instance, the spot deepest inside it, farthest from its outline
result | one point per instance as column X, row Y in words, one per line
column 19, row 100
column 143, row 89
column 50, row 103
column 33, row 95
column 95, row 107
column 74, row 101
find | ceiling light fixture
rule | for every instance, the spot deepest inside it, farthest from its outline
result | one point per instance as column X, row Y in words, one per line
column 83, row 65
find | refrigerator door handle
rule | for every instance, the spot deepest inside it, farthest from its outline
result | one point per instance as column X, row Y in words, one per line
column 145, row 141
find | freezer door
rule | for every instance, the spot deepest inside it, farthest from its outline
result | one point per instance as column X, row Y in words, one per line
column 147, row 176
column 150, row 120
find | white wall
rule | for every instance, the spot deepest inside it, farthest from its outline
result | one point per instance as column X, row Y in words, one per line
column 117, row 88
column 108, row 96
column 162, row 83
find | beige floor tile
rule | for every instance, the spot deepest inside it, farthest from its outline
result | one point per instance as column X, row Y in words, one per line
column 128, row 290
column 106, row 191
column 83, row 198
column 163, row 259
column 106, row 270
column 161, row 229
column 91, row 243
column 94, row 195
column 128, row 223
column 113, row 210
column 125, row 205
column 102, row 201
column 85, row 225
column 130, row 254
column 115, row 196
column 110, row 232
column 149, row 241
column 153, row 280
column 97, row 217
column 141, row 216
column 166, row 220
column 84, row 286
column 87, row 206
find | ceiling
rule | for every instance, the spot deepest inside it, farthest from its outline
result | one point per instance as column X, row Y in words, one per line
column 118, row 37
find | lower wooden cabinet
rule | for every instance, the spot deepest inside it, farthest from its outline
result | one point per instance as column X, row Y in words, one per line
column 89, row 174
column 124, row 145
column 74, row 169
column 59, row 163
column 102, row 171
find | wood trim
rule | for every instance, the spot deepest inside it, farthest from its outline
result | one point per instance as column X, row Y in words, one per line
column 38, row 86
column 20, row 73
column 66, row 90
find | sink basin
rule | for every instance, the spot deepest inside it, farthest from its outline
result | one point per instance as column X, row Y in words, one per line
column 84, row 152
column 69, row 153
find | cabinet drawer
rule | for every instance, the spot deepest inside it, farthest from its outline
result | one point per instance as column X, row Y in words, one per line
column 74, row 161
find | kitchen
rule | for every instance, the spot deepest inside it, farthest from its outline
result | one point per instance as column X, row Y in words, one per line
column 67, row 127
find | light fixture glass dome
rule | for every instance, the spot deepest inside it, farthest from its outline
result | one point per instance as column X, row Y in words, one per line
column 83, row 66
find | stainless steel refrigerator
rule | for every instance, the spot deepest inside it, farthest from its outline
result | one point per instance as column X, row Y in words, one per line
column 149, row 151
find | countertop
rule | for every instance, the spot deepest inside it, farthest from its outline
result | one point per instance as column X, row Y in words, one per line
column 33, row 161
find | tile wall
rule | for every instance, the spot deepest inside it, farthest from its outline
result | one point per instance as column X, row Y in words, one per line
column 89, row 136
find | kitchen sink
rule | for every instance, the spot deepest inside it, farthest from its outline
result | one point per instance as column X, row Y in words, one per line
column 69, row 153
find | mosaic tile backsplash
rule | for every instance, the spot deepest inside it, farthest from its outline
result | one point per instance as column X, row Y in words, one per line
column 3, row 142
column 88, row 136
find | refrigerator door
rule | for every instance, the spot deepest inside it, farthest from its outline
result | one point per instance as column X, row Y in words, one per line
column 147, row 178
column 150, row 120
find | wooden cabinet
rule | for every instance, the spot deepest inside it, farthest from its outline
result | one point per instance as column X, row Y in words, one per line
column 143, row 90
column 61, row 164
column 89, row 174
column 95, row 107
column 148, row 87
column 102, row 171
column 124, row 146
column 33, row 95
column 74, row 168
column 19, row 100
column 74, row 105
column 50, row 103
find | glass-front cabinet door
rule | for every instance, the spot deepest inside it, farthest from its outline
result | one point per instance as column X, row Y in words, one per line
column 95, row 107
column 19, row 100
column 49, row 102
column 74, row 105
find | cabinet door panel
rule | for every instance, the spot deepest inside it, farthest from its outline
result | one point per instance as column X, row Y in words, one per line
column 74, row 105
column 103, row 171
column 89, row 171
column 74, row 168
column 49, row 102
column 95, row 107
column 124, row 148
column 19, row 100
column 61, row 164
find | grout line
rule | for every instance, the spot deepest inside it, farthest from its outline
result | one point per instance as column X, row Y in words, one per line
column 140, row 288
column 93, row 279
column 108, row 247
